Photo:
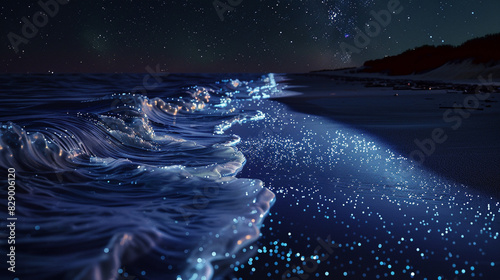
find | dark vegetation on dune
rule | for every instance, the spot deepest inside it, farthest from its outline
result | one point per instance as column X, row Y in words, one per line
column 425, row 58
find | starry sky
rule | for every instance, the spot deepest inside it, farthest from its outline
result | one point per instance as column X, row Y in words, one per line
column 224, row 35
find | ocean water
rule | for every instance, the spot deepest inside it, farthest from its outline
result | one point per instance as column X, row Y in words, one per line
column 207, row 177
column 112, row 184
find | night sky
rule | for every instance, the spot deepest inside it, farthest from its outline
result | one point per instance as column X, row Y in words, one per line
column 255, row 36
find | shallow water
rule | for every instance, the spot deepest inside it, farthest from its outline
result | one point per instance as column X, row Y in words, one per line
column 381, row 215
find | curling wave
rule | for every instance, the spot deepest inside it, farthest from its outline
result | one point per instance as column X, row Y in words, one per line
column 125, row 184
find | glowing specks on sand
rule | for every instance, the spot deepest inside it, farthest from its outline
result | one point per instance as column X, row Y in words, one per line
column 388, row 216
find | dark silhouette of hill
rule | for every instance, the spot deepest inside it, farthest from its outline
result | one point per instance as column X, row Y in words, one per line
column 426, row 58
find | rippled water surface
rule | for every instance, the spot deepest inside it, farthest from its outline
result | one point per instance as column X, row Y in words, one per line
column 176, row 179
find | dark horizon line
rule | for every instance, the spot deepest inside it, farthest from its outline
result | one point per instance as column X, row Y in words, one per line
column 168, row 73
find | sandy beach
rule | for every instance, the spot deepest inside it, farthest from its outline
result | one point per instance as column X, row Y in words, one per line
column 403, row 117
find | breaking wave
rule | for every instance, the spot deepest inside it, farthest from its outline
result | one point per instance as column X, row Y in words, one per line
column 119, row 184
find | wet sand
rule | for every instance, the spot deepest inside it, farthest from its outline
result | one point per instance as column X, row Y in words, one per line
column 470, row 152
